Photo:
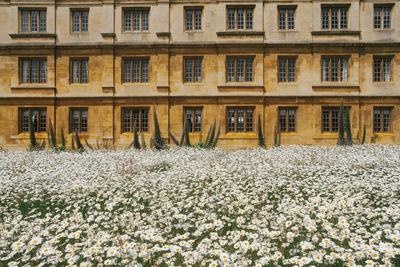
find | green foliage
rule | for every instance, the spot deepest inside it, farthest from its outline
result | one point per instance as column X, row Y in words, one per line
column 349, row 137
column 33, row 144
column 157, row 141
column 62, row 138
column 72, row 142
column 186, row 141
column 341, row 141
column 216, row 138
column 261, row 141
column 363, row 137
column 136, row 144
column 277, row 136
column 53, row 141
column 79, row 145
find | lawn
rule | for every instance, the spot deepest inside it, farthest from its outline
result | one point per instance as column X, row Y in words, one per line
column 293, row 205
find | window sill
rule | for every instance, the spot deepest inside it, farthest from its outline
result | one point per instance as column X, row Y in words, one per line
column 289, row 134
column 193, row 31
column 26, row 136
column 336, row 86
column 163, row 34
column 251, row 135
column 240, row 87
column 384, row 30
column 136, row 32
column 32, row 87
column 241, row 33
column 335, row 32
column 126, row 134
column 32, row 35
column 384, row 134
column 286, row 31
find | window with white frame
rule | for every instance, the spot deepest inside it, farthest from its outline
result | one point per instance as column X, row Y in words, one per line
column 136, row 70
column 32, row 70
column 33, row 20
column 382, row 17
column 192, row 70
column 136, row 20
column 286, row 18
column 80, row 20
column 382, row 66
column 240, row 18
column 287, row 69
column 334, row 18
column 334, row 69
column 193, row 18
column 240, row 69
column 79, row 70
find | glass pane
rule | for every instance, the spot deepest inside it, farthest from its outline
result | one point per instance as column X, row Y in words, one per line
column 249, row 18
column 145, row 20
column 128, row 20
column 84, row 71
column 189, row 20
column 25, row 21
column 335, row 119
column 240, row 18
column 145, row 120
column 25, row 71
column 282, row 69
column 136, row 119
column 240, row 70
column 127, row 121
column 343, row 68
column 291, row 18
column 377, row 120
column 197, row 20
column 35, row 118
column 136, row 20
column 386, row 120
column 231, row 120
column 343, row 18
column 282, row 120
column 334, row 69
column 231, row 19
column 75, row 120
column 34, row 21
column 377, row 70
column 334, row 18
column 325, row 119
column 42, row 70
column 189, row 70
column 249, row 120
column 34, row 71
column 42, row 25
column 291, row 69
column 197, row 70
column 325, row 18
column 128, row 70
column 84, row 120
column 292, row 120
column 231, row 70
column 42, row 121
column 85, row 21
column 325, row 69
column 240, row 120
column 189, row 119
column 377, row 17
column 145, row 70
column 249, row 69
column 75, row 21
column 136, row 70
column 386, row 17
column 25, row 121
column 386, row 69
column 282, row 19
column 75, row 71
column 197, row 120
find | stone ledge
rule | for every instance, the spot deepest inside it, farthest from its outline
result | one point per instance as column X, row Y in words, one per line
column 108, row 34
column 162, row 34
column 336, row 87
column 335, row 32
column 32, row 35
column 240, row 87
column 33, row 87
column 241, row 33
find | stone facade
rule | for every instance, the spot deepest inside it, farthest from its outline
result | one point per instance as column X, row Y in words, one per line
column 167, row 43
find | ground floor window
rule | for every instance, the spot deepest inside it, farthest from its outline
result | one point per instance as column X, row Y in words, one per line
column 382, row 119
column 287, row 119
column 330, row 119
column 135, row 117
column 78, row 120
column 38, row 116
column 240, row 119
column 193, row 119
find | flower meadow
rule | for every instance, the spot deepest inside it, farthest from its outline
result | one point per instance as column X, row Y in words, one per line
column 286, row 206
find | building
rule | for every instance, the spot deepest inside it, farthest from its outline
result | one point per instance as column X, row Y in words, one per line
column 100, row 67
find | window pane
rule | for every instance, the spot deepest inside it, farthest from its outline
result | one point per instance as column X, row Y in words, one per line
column 34, row 71
column 128, row 20
column 377, row 120
column 291, row 18
column 127, row 121
column 85, row 21
column 343, row 17
column 84, row 71
column 282, row 19
column 75, row 120
column 25, row 121
column 325, row 18
column 325, row 69
column 377, row 17
column 240, row 18
column 335, row 119
column 282, row 69
column 197, row 70
column 189, row 119
column 197, row 20
column 343, row 68
column 249, row 18
column 377, row 70
column 42, row 70
column 291, row 68
column 249, row 69
column 240, row 120
column 42, row 121
column 334, row 18
column 386, row 120
column 282, row 120
column 75, row 71
column 145, row 120
column 75, row 21
column 128, row 71
column 386, row 69
column 189, row 20
column 231, row 120
column 231, row 19
column 145, row 70
column 249, row 120
column 25, row 71
column 25, row 21
column 136, row 70
column 84, row 120
column 136, row 119
column 145, row 20
column 197, row 120
column 34, row 21
column 136, row 20
column 292, row 120
column 240, row 70
column 231, row 70
column 42, row 25
column 325, row 120
column 35, row 119
column 334, row 69
column 189, row 72
column 386, row 17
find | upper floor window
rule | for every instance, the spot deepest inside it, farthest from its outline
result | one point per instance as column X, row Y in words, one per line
column 286, row 18
column 382, row 17
column 80, row 20
column 33, row 20
column 32, row 70
column 287, row 69
column 382, row 119
column 240, row 18
column 193, row 119
column 382, row 68
column 240, row 119
column 38, row 116
column 193, row 70
column 136, row 70
column 193, row 19
column 287, row 119
column 137, row 118
column 79, row 70
column 334, row 69
column 240, row 69
column 78, row 120
column 334, row 18
column 136, row 20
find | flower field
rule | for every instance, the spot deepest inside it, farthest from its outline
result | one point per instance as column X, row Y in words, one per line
column 294, row 206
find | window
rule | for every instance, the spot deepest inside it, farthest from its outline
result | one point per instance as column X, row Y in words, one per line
column 240, row 119
column 382, row 17
column 135, row 117
column 287, row 71
column 334, row 69
column 136, row 20
column 286, row 18
column 78, row 120
column 38, row 116
column 334, row 18
column 33, row 21
column 32, row 70
column 193, row 19
column 287, row 120
column 193, row 119
column 382, row 69
column 79, row 71
column 330, row 119
column 136, row 70
column 240, row 69
column 382, row 119
column 193, row 70
column 80, row 20
column 240, row 18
